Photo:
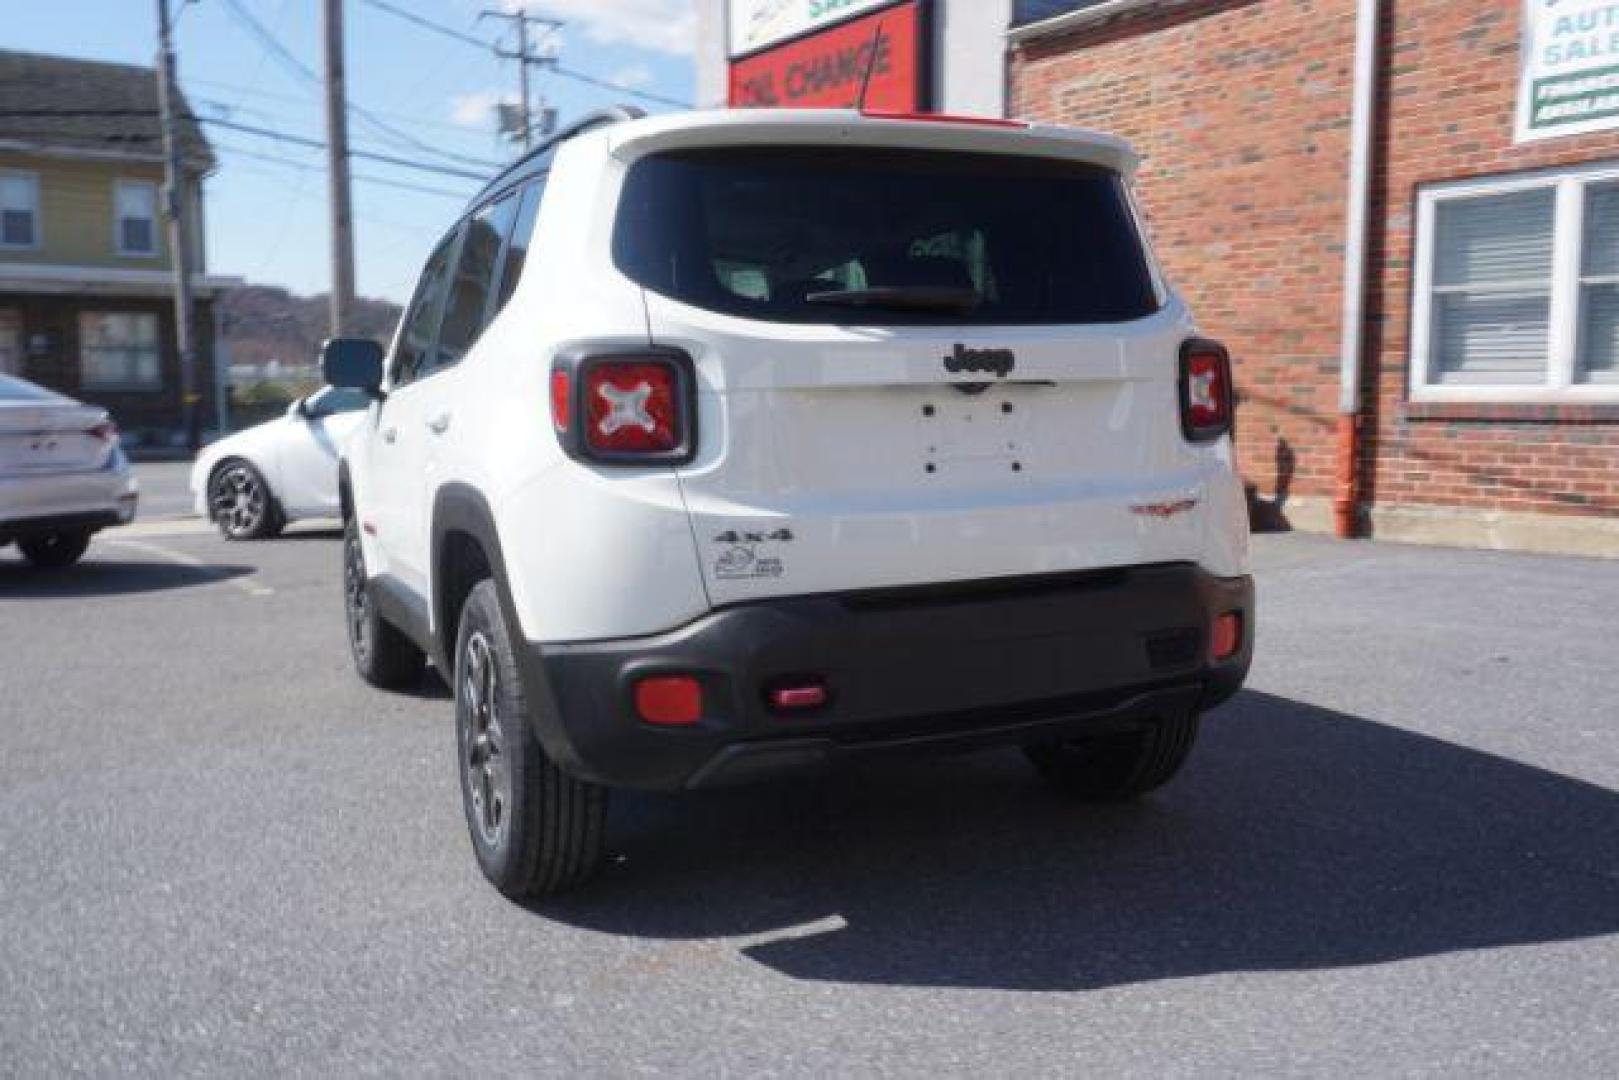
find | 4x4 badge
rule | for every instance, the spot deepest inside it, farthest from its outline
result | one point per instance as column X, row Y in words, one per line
column 731, row 536
column 999, row 361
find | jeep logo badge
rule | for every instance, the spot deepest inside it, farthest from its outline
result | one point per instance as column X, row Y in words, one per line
column 999, row 361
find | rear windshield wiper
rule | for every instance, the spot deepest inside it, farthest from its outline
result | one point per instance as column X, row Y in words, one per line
column 901, row 298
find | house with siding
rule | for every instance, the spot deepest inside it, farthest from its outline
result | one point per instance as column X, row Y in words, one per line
column 86, row 276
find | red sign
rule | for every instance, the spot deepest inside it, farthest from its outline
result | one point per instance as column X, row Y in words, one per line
column 824, row 70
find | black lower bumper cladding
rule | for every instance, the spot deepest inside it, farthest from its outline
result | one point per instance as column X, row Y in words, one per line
column 1009, row 661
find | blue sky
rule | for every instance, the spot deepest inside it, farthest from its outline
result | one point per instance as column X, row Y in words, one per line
column 267, row 219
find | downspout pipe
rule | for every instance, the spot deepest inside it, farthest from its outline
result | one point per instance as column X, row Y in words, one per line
column 1362, row 133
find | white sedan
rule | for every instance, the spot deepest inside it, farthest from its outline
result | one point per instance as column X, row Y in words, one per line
column 63, row 476
column 253, row 483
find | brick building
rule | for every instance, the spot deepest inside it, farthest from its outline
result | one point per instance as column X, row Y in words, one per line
column 1489, row 392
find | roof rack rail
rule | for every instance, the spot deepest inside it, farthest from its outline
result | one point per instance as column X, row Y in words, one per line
column 614, row 114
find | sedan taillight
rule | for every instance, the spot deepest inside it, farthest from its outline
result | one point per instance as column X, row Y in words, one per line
column 106, row 431
column 1206, row 397
column 625, row 407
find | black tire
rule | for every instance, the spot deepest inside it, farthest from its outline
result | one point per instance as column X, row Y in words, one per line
column 52, row 551
column 535, row 830
column 383, row 655
column 1117, row 768
column 241, row 504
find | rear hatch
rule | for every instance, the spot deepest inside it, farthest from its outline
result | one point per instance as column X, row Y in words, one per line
column 41, row 432
column 915, row 364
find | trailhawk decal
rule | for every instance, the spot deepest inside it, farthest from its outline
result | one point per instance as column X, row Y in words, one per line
column 1164, row 509
column 740, row 559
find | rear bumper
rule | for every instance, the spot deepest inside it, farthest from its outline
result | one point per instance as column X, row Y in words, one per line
column 963, row 665
column 56, row 502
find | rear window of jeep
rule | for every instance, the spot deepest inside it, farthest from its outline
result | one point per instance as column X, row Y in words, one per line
column 919, row 237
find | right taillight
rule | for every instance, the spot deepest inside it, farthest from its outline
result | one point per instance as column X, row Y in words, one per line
column 625, row 407
column 1205, row 390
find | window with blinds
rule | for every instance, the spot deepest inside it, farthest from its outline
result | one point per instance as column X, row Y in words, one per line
column 136, row 204
column 1493, row 288
column 19, row 210
column 1517, row 288
column 1599, row 286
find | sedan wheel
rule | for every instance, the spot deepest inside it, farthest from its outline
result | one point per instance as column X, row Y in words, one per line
column 239, row 502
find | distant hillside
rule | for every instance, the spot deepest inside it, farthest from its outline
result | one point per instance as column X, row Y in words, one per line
column 264, row 323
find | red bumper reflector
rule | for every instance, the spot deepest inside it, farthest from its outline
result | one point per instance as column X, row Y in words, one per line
column 669, row 700
column 1227, row 635
column 790, row 698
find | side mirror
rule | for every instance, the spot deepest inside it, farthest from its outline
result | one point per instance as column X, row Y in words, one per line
column 352, row 364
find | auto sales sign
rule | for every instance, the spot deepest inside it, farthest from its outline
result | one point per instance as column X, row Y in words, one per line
column 827, row 69
column 1570, row 68
column 759, row 24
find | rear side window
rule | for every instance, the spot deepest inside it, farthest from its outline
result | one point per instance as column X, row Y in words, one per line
column 522, row 237
column 467, row 310
column 413, row 357
column 760, row 232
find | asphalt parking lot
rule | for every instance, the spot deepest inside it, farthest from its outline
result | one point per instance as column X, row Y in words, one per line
column 1396, row 853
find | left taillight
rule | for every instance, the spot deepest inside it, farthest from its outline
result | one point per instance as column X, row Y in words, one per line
column 1206, row 396
column 625, row 408
column 105, row 430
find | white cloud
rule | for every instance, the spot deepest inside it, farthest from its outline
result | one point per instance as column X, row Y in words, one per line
column 667, row 26
column 477, row 110
column 633, row 77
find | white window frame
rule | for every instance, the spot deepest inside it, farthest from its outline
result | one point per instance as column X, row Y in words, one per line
column 1568, row 230
column 119, row 386
column 118, row 220
column 39, row 215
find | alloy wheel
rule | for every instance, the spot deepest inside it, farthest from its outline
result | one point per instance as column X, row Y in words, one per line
column 483, row 740
column 239, row 500
column 356, row 599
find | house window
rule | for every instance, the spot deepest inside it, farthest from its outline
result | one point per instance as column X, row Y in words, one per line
column 1517, row 289
column 118, row 350
column 19, row 210
column 1599, row 287
column 135, row 203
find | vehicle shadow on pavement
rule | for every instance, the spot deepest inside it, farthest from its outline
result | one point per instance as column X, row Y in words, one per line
column 108, row 577
column 1298, row 838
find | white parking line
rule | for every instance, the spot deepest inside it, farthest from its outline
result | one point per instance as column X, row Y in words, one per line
column 245, row 584
column 164, row 527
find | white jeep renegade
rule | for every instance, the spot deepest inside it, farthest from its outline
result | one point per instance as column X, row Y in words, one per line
column 724, row 443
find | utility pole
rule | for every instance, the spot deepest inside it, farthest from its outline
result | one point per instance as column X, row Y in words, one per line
column 337, row 167
column 522, row 21
column 179, row 246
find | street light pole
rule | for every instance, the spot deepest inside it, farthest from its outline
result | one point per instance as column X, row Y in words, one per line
column 337, row 159
column 179, row 246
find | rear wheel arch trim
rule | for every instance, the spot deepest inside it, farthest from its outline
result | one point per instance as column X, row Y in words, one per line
column 461, row 508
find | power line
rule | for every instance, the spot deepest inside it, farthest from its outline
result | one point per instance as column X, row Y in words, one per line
column 608, row 84
column 251, row 129
column 300, row 99
column 304, row 166
column 428, row 24
column 291, row 62
column 369, row 155
column 567, row 73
